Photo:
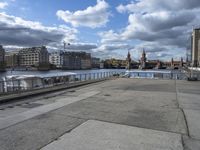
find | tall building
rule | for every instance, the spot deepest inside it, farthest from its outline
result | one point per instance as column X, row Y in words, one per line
column 2, row 58
column 85, row 60
column 76, row 60
column 12, row 59
column 71, row 61
column 195, row 47
column 35, row 57
column 56, row 58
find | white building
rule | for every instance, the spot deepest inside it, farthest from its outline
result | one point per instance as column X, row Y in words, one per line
column 35, row 56
column 56, row 58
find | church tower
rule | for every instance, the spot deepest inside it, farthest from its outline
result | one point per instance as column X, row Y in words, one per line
column 128, row 59
column 143, row 60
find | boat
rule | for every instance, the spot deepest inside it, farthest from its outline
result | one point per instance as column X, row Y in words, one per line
column 29, row 82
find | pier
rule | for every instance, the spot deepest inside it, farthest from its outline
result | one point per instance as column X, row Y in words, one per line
column 120, row 113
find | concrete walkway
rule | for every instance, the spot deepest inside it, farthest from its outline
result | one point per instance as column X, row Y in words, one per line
column 124, row 114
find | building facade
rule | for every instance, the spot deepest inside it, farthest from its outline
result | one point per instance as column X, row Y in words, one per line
column 95, row 62
column 34, row 57
column 76, row 60
column 195, row 47
column 56, row 58
column 2, row 58
column 12, row 59
column 71, row 61
column 86, row 62
column 115, row 63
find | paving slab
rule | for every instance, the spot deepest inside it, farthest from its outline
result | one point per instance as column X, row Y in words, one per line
column 189, row 101
column 108, row 136
column 143, row 109
column 191, row 144
column 188, row 87
column 36, row 132
column 16, row 118
column 193, row 121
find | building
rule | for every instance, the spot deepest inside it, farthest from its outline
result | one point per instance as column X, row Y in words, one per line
column 86, row 62
column 128, row 59
column 76, row 60
column 56, row 58
column 195, row 47
column 34, row 57
column 95, row 62
column 2, row 58
column 115, row 63
column 143, row 60
column 157, row 64
column 12, row 59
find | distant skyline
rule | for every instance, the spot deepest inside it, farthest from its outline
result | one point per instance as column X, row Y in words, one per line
column 105, row 28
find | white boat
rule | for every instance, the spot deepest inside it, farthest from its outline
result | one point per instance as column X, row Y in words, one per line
column 26, row 82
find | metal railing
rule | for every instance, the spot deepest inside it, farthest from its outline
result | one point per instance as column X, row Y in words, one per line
column 9, row 86
column 28, row 84
column 163, row 76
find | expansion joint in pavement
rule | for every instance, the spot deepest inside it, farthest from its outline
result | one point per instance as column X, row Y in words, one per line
column 186, row 123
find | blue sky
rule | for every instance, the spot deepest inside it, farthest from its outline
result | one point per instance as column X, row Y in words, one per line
column 105, row 28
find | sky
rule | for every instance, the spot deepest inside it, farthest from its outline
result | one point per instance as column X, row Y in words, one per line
column 105, row 28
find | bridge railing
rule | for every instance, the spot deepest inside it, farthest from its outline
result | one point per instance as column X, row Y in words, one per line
column 163, row 76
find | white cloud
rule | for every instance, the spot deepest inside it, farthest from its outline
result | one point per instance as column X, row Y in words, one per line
column 3, row 5
column 146, row 6
column 112, row 47
column 162, row 26
column 17, row 31
column 109, row 36
column 93, row 16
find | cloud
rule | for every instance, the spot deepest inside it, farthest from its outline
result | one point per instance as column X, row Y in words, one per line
column 23, row 33
column 147, row 6
column 109, row 36
column 93, row 16
column 112, row 47
column 87, row 47
column 161, row 26
column 3, row 5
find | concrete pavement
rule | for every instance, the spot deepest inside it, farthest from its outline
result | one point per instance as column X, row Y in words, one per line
column 120, row 114
column 188, row 95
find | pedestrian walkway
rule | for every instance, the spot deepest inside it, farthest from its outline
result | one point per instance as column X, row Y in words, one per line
column 127, row 114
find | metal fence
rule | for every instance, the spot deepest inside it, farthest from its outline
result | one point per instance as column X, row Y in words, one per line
column 8, row 86
column 163, row 76
column 28, row 84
